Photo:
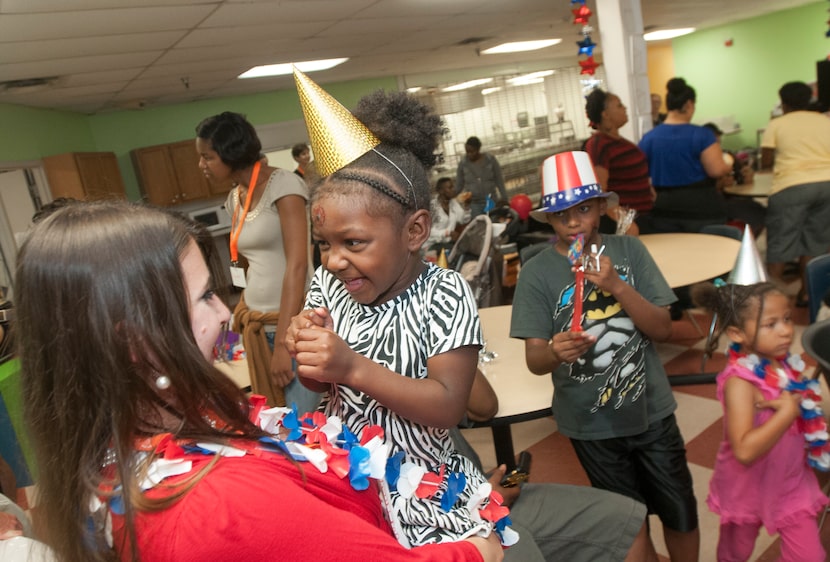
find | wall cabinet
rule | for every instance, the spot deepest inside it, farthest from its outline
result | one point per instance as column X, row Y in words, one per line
column 169, row 174
column 84, row 175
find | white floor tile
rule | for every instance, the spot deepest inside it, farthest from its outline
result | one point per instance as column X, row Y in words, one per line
column 695, row 413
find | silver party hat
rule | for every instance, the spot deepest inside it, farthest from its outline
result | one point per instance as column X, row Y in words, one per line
column 749, row 268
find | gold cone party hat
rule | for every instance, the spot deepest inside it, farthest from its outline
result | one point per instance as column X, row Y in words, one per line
column 442, row 260
column 749, row 268
column 337, row 137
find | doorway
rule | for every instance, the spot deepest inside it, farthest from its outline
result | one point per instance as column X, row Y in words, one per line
column 23, row 190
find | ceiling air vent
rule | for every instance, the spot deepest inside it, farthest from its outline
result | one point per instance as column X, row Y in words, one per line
column 473, row 40
column 28, row 85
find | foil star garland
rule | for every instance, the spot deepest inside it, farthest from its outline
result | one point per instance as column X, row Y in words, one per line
column 582, row 15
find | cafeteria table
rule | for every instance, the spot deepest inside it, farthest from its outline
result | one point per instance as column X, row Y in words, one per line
column 522, row 395
column 688, row 258
column 760, row 187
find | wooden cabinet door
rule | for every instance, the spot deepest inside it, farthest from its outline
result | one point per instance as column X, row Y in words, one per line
column 156, row 175
column 185, row 161
column 62, row 173
column 84, row 175
column 100, row 175
column 113, row 180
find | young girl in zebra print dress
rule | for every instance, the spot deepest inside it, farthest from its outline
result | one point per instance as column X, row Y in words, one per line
column 391, row 339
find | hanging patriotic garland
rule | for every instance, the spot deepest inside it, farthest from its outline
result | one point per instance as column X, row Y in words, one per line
column 582, row 15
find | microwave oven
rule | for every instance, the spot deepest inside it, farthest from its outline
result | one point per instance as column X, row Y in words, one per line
column 215, row 218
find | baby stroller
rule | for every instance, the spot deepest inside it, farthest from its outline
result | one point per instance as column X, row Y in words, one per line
column 476, row 258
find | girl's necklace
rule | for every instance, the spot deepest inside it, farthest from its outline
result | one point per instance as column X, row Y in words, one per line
column 788, row 377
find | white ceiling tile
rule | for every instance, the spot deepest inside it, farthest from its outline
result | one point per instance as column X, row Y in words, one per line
column 110, row 53
column 41, row 6
column 63, row 67
column 232, row 14
column 92, row 23
column 46, row 49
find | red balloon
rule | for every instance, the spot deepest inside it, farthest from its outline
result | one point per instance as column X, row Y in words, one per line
column 522, row 204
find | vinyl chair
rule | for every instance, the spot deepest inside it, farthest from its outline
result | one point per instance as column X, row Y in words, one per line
column 723, row 230
column 816, row 343
column 818, row 282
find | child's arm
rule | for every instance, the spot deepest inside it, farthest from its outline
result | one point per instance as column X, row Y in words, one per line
column 483, row 404
column 440, row 400
column 652, row 320
column 748, row 442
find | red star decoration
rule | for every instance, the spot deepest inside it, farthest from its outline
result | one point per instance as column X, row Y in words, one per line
column 588, row 65
column 582, row 14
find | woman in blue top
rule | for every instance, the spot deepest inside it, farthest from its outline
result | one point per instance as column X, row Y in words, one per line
column 684, row 161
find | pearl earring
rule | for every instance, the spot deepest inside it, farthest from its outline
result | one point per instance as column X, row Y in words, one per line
column 163, row 382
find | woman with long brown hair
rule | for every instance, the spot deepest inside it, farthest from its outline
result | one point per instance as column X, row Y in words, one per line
column 145, row 450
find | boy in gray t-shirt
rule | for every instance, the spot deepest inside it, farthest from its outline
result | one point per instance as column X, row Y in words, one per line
column 612, row 397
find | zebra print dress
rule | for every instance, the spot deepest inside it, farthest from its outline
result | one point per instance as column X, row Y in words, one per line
column 437, row 313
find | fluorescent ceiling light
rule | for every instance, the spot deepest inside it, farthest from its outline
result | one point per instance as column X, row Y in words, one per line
column 486, row 91
column 468, row 84
column 525, row 81
column 520, row 46
column 286, row 68
column 667, row 33
column 413, row 89
column 532, row 78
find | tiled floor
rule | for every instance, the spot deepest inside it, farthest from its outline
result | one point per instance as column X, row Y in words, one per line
column 699, row 416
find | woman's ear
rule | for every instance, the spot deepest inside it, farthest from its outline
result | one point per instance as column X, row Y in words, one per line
column 418, row 226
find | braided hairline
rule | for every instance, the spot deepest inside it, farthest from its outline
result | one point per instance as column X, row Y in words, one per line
column 731, row 299
column 375, row 184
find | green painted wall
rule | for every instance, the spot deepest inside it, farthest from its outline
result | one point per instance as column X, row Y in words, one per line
column 30, row 134
column 743, row 80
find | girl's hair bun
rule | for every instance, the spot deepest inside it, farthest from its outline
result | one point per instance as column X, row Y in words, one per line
column 400, row 119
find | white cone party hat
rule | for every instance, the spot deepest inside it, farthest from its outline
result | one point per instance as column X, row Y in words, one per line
column 749, row 268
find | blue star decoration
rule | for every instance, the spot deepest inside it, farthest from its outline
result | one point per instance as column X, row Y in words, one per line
column 586, row 46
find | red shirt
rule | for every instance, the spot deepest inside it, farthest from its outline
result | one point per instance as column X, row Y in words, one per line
column 627, row 169
column 260, row 508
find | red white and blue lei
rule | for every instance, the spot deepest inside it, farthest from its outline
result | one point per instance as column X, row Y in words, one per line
column 325, row 444
column 811, row 422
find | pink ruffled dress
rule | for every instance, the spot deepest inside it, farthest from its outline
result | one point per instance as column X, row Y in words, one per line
column 774, row 488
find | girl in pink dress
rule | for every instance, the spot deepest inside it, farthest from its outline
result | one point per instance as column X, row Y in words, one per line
column 774, row 430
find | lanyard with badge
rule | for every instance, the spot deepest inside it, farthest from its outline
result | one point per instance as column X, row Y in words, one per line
column 237, row 272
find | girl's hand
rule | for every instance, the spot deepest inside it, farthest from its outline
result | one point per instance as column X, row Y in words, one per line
column 509, row 495
column 306, row 319
column 567, row 347
column 489, row 548
column 322, row 355
column 788, row 403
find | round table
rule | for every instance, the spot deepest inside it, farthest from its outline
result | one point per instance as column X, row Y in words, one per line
column 760, row 187
column 522, row 395
column 686, row 259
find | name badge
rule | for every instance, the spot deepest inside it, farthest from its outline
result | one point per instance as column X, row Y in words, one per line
column 238, row 277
